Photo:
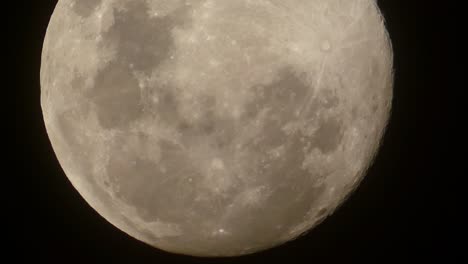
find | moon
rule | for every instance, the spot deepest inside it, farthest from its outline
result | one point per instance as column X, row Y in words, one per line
column 216, row 128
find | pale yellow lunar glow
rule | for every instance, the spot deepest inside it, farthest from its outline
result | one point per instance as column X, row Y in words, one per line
column 216, row 128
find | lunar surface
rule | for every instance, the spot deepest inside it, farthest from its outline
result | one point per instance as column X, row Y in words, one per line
column 216, row 128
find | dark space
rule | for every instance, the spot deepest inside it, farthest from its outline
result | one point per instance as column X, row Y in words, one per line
column 395, row 215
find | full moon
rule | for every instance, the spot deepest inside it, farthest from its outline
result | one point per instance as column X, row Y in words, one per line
column 216, row 128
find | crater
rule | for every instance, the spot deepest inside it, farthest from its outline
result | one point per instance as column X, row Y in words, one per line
column 322, row 212
column 327, row 99
column 207, row 121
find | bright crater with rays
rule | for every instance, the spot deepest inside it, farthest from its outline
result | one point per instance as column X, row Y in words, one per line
column 216, row 128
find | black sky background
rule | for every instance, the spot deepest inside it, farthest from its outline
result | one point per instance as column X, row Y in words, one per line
column 394, row 215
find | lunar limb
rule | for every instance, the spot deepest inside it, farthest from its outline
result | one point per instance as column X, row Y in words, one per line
column 216, row 128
